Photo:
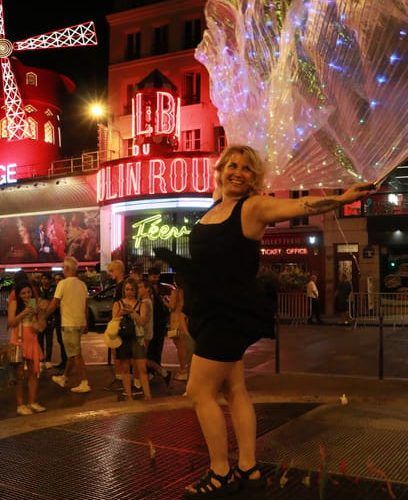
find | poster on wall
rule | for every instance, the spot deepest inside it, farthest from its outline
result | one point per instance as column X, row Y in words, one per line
column 50, row 237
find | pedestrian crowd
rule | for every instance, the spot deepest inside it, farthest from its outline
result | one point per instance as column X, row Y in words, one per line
column 144, row 312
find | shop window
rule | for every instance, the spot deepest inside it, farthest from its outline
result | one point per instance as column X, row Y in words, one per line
column 130, row 92
column 191, row 140
column 299, row 221
column 31, row 79
column 192, row 33
column 161, row 40
column 133, row 46
column 220, row 140
column 129, row 147
column 30, row 109
column 354, row 209
column 31, row 129
column 191, row 88
column 49, row 133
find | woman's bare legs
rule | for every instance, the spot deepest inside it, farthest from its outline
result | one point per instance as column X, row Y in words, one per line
column 32, row 382
column 126, row 379
column 205, row 382
column 181, row 346
column 142, row 374
column 20, row 384
column 243, row 418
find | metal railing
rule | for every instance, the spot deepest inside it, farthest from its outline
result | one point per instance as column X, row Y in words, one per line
column 295, row 307
column 87, row 162
column 368, row 308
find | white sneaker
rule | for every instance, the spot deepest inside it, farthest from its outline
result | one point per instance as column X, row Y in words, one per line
column 48, row 365
column 136, row 383
column 36, row 407
column 59, row 380
column 82, row 387
column 24, row 410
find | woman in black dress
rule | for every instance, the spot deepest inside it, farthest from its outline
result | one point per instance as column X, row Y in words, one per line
column 226, row 312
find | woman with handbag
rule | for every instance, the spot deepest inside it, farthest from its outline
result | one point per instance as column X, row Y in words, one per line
column 132, row 349
column 22, row 319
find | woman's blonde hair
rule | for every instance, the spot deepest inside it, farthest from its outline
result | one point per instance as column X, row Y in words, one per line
column 255, row 164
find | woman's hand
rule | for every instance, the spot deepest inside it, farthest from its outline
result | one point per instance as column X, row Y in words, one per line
column 358, row 191
column 27, row 311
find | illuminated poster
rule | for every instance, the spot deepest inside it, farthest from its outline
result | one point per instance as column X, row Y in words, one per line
column 50, row 237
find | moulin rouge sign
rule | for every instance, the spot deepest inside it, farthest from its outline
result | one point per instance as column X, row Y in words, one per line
column 155, row 168
column 154, row 176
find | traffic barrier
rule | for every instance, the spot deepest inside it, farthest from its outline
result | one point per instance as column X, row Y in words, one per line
column 295, row 307
column 368, row 308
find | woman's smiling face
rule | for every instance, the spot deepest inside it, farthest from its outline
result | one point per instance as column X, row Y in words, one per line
column 237, row 176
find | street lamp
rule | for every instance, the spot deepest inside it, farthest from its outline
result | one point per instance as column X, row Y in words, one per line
column 97, row 110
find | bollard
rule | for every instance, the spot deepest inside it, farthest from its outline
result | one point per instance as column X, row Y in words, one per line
column 381, row 348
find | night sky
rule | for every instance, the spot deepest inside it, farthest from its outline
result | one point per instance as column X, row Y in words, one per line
column 86, row 66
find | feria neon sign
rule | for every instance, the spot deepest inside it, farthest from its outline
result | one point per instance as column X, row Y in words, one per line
column 152, row 229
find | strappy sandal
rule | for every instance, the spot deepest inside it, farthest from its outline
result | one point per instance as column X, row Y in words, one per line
column 242, row 477
column 206, row 488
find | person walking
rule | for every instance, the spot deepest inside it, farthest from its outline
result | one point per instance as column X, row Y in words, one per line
column 58, row 331
column 226, row 312
column 178, row 329
column 116, row 270
column 312, row 294
column 22, row 319
column 160, row 319
column 71, row 296
column 132, row 349
column 45, row 338
column 343, row 292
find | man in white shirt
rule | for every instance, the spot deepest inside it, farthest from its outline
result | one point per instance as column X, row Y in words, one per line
column 313, row 295
column 71, row 296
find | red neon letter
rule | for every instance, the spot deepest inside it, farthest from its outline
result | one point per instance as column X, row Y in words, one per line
column 178, row 173
column 157, row 169
column 165, row 114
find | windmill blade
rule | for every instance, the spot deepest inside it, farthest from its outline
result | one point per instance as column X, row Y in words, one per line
column 17, row 126
column 2, row 29
column 79, row 35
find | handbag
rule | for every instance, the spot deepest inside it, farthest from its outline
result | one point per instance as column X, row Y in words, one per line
column 173, row 334
column 15, row 351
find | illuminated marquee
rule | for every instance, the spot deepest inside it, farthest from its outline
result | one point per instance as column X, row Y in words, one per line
column 285, row 251
column 155, row 176
column 8, row 173
column 152, row 229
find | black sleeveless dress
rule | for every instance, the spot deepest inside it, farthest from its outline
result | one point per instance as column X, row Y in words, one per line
column 227, row 311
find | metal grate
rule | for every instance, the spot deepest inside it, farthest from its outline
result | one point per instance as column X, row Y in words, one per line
column 109, row 458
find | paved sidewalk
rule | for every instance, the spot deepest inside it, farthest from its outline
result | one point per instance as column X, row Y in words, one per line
column 300, row 417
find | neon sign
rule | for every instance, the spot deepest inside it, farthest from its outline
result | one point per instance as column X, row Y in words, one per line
column 156, row 176
column 155, row 120
column 285, row 251
column 151, row 229
column 8, row 173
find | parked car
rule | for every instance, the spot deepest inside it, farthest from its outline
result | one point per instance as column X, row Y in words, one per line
column 100, row 304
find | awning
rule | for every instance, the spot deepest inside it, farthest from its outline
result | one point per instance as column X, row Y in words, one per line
column 47, row 195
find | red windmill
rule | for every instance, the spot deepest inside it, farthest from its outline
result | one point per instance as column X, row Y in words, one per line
column 14, row 124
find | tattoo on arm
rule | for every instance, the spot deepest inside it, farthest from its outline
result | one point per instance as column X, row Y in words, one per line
column 321, row 206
